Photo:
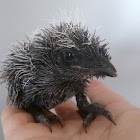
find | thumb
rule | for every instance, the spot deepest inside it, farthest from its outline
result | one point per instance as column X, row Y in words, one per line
column 12, row 117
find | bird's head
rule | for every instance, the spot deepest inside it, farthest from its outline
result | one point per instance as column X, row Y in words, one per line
column 81, row 55
column 76, row 53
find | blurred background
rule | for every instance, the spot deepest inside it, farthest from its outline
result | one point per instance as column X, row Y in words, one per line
column 116, row 21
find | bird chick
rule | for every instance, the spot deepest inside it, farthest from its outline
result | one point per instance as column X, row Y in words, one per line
column 54, row 66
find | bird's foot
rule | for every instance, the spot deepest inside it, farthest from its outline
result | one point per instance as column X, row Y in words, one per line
column 47, row 119
column 92, row 111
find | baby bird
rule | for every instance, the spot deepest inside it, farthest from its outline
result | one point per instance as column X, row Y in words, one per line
column 54, row 66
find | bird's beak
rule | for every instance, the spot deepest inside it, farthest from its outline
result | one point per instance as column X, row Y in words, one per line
column 108, row 69
column 108, row 72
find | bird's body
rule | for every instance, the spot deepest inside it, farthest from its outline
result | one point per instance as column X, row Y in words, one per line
column 54, row 66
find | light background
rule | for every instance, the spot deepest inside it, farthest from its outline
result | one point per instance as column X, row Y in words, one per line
column 119, row 20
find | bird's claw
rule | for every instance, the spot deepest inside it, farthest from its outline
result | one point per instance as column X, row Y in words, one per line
column 108, row 115
column 47, row 119
column 55, row 118
column 94, row 110
column 47, row 122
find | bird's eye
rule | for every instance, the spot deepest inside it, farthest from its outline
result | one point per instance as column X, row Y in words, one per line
column 69, row 56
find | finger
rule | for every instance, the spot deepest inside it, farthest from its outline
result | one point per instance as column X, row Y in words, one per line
column 115, row 103
column 12, row 117
column 67, row 110
column 33, row 131
column 98, row 92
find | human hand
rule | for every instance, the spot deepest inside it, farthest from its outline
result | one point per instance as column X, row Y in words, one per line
column 20, row 125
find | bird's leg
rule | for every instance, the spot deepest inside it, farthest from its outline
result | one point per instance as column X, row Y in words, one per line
column 40, row 116
column 89, row 111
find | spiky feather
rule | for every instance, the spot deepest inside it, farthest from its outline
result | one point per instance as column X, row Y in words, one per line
column 31, row 71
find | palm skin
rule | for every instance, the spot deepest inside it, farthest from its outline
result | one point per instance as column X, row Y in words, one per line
column 20, row 125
